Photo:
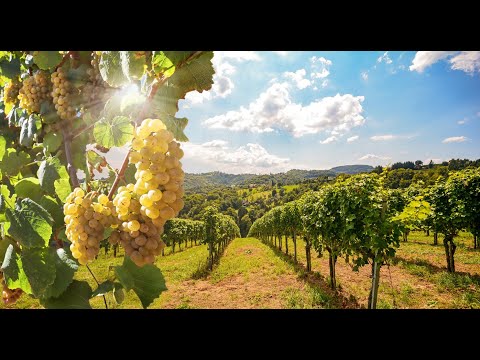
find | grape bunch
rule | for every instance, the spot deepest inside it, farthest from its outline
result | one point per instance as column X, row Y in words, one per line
column 9, row 296
column 95, row 91
column 156, row 196
column 62, row 93
column 86, row 221
column 34, row 91
column 11, row 91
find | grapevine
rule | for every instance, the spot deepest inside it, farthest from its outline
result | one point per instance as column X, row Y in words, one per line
column 54, row 211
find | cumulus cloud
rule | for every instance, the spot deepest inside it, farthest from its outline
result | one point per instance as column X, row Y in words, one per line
column 274, row 109
column 424, row 59
column 467, row 61
column 281, row 53
column 329, row 140
column 384, row 58
column 298, row 78
column 364, row 75
column 374, row 157
column 222, row 82
column 217, row 155
column 352, row 138
column 454, row 139
column 320, row 67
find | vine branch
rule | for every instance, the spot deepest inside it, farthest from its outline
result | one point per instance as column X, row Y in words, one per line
column 68, row 153
column 94, row 278
column 155, row 87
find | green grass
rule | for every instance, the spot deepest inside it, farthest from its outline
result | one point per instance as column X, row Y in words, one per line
column 244, row 256
column 175, row 268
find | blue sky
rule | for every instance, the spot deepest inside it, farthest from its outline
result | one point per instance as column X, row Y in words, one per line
column 275, row 111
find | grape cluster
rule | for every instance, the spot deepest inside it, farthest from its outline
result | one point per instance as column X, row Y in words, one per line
column 9, row 296
column 95, row 91
column 157, row 195
column 62, row 93
column 34, row 91
column 11, row 91
column 85, row 223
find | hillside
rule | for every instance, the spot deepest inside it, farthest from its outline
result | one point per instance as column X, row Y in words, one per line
column 295, row 176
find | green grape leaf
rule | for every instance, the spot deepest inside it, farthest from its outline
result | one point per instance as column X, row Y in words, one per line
column 110, row 66
column 50, row 170
column 30, row 224
column 25, row 140
column 62, row 188
column 55, row 210
column 10, row 69
column 118, row 293
column 176, row 126
column 49, row 113
column 12, row 268
column 65, row 270
column 103, row 288
column 162, row 64
column 78, row 77
column 3, row 147
column 39, row 266
column 147, row 281
column 13, row 161
column 78, row 150
column 196, row 75
column 113, row 132
column 52, row 141
column 133, row 63
column 47, row 60
column 29, row 188
column 177, row 56
column 166, row 99
column 77, row 296
column 94, row 159
column 130, row 174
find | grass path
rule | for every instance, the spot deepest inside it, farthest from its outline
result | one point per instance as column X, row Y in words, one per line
column 249, row 275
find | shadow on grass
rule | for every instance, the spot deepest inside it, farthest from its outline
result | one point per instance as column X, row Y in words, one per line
column 203, row 268
column 457, row 280
column 318, row 282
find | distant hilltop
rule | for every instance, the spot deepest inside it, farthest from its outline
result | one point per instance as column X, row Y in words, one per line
column 295, row 176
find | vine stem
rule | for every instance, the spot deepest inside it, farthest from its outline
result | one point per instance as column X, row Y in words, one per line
column 68, row 153
column 155, row 86
column 94, row 278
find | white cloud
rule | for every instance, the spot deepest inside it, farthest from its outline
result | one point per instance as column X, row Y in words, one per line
column 281, row 53
column 455, row 139
column 462, row 122
column 298, row 77
column 424, row 59
column 239, row 55
column 467, row 61
column 352, row 138
column 217, row 155
column 383, row 137
column 320, row 67
column 274, row 109
column 324, row 83
column 364, row 75
column 222, row 82
column 374, row 157
column 384, row 58
column 329, row 140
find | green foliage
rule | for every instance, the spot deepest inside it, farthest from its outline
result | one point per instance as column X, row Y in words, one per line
column 147, row 281
column 37, row 148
